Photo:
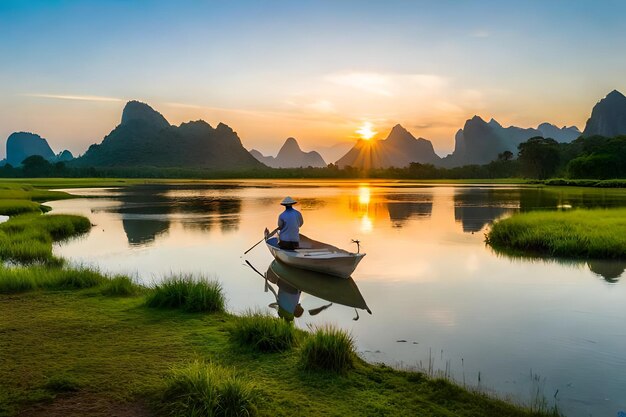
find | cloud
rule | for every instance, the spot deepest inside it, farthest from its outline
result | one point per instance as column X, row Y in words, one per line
column 370, row 82
column 72, row 97
column 480, row 33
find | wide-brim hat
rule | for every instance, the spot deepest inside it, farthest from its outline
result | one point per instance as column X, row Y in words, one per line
column 288, row 201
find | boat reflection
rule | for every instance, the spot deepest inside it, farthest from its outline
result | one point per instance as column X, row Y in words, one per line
column 288, row 283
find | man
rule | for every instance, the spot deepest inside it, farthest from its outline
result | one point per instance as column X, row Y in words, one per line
column 289, row 223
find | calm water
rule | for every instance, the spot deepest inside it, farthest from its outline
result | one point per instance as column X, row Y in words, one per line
column 440, row 298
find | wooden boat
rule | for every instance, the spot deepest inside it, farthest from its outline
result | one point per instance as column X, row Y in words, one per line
column 326, row 287
column 317, row 256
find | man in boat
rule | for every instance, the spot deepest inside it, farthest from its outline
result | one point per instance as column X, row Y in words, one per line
column 289, row 223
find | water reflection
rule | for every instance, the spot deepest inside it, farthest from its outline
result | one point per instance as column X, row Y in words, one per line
column 292, row 282
column 474, row 208
column 610, row 270
column 143, row 231
column 148, row 211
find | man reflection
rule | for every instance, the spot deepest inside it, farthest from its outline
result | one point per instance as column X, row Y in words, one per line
column 288, row 300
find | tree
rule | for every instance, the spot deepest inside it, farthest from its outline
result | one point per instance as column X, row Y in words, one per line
column 539, row 157
column 36, row 166
column 505, row 156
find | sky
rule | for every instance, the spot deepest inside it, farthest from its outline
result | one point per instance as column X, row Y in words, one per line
column 314, row 70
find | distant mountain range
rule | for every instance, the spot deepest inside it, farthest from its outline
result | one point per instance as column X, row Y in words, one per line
column 480, row 142
column 291, row 156
column 145, row 138
column 21, row 145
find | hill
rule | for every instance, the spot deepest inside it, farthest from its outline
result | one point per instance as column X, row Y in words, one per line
column 399, row 149
column 291, row 156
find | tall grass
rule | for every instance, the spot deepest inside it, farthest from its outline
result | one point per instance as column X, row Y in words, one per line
column 17, row 280
column 597, row 233
column 188, row 294
column 264, row 332
column 328, row 348
column 205, row 389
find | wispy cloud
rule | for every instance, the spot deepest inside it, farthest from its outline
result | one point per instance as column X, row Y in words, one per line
column 370, row 82
column 72, row 97
column 480, row 33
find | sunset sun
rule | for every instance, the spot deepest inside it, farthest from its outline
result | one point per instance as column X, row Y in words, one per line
column 365, row 131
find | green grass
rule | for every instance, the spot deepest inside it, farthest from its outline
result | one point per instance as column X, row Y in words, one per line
column 204, row 389
column 329, row 348
column 589, row 234
column 264, row 332
column 188, row 294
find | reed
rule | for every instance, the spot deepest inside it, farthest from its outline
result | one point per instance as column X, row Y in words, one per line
column 189, row 294
column 596, row 233
column 10, row 207
column 205, row 389
column 263, row 332
column 328, row 348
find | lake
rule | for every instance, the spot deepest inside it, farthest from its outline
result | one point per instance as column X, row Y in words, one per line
column 441, row 300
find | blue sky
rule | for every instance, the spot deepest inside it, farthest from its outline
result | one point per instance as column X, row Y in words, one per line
column 313, row 70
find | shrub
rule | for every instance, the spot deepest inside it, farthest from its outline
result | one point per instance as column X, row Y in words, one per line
column 328, row 348
column 264, row 332
column 188, row 294
column 204, row 389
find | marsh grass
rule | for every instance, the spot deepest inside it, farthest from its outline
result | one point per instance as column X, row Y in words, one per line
column 328, row 348
column 205, row 389
column 595, row 234
column 263, row 332
column 189, row 294
column 10, row 207
column 120, row 286
column 28, row 238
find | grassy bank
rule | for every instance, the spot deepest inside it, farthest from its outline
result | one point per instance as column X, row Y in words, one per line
column 65, row 348
column 592, row 234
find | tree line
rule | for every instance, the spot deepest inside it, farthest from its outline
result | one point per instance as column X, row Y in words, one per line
column 539, row 158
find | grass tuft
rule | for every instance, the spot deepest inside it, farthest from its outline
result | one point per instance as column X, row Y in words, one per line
column 596, row 234
column 188, row 294
column 11, row 207
column 328, row 348
column 62, row 383
column 263, row 332
column 120, row 286
column 204, row 389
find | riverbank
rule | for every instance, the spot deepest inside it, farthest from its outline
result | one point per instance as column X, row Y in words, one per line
column 580, row 233
column 75, row 342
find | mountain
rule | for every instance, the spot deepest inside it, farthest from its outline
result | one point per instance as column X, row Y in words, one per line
column 64, row 156
column 608, row 117
column 564, row 134
column 145, row 138
column 399, row 149
column 21, row 145
column 480, row 142
column 291, row 156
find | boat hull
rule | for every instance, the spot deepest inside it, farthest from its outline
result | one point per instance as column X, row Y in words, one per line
column 317, row 257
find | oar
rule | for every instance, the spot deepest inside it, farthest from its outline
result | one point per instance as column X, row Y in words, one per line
column 264, row 238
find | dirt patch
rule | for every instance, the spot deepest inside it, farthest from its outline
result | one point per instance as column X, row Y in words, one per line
column 87, row 404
